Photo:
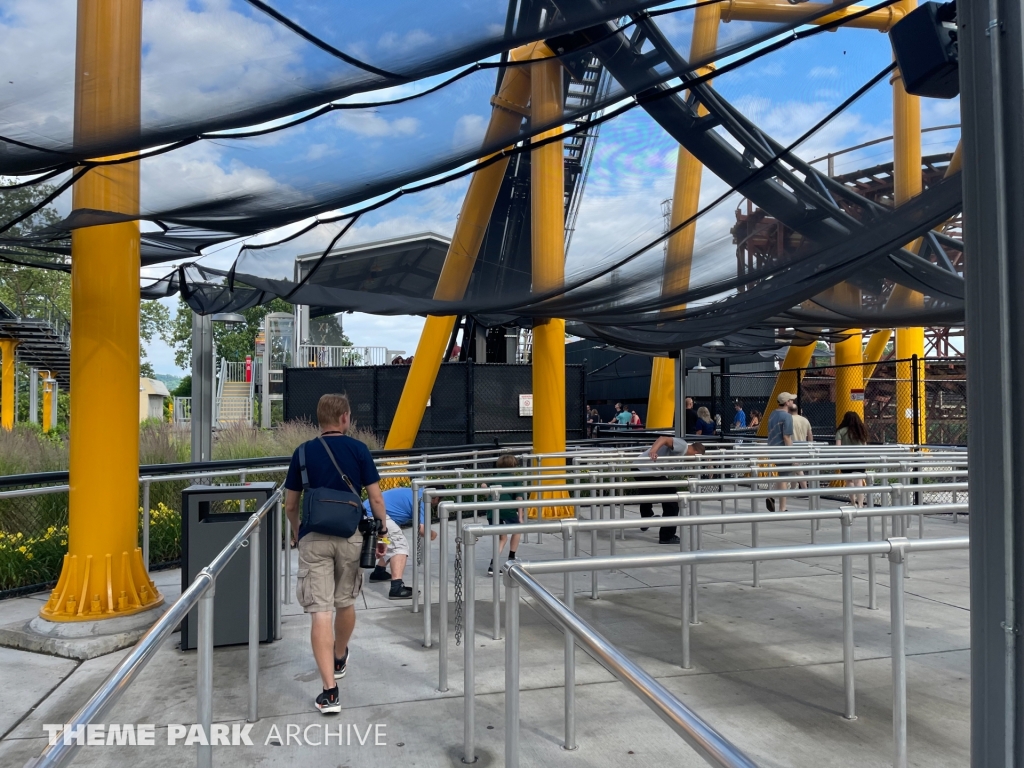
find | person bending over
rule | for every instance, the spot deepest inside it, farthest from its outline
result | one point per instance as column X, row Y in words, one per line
column 398, row 503
column 664, row 446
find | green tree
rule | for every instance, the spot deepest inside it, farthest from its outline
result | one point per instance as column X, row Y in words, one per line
column 154, row 321
column 22, row 286
column 25, row 289
column 232, row 343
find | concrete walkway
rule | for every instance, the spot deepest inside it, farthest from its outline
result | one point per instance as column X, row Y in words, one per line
column 767, row 672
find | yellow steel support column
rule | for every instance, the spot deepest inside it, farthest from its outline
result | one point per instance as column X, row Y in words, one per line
column 906, row 118
column 661, row 399
column 103, row 574
column 900, row 294
column 787, row 380
column 7, row 384
column 509, row 108
column 547, row 229
column 48, row 404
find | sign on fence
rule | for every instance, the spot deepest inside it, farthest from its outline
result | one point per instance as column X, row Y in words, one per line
column 526, row 405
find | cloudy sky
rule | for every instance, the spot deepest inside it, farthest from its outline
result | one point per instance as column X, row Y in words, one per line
column 207, row 55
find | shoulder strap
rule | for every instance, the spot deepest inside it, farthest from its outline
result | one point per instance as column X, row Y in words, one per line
column 335, row 463
column 302, row 466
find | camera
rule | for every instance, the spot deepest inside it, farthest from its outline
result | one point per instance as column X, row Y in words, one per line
column 372, row 529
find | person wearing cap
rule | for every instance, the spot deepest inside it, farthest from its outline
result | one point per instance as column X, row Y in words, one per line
column 780, row 432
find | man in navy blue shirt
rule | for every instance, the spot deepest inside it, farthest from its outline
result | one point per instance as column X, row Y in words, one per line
column 329, row 577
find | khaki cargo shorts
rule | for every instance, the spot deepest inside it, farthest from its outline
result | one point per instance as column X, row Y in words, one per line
column 399, row 544
column 329, row 574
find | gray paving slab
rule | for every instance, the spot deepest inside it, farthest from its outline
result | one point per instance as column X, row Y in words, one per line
column 25, row 679
column 767, row 671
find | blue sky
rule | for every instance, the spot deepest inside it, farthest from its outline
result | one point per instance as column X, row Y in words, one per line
column 204, row 49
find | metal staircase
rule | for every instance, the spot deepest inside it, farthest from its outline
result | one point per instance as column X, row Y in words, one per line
column 43, row 333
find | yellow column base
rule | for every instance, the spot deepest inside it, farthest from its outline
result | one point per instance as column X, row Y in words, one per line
column 128, row 589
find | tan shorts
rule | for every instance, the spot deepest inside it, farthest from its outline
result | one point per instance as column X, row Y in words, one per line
column 399, row 544
column 329, row 574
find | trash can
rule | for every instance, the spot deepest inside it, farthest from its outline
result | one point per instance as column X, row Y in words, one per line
column 211, row 515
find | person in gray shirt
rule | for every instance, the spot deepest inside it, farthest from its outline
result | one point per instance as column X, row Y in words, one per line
column 780, row 432
column 647, row 462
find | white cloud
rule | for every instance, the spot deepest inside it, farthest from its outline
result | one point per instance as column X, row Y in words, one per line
column 367, row 123
column 414, row 38
column 198, row 172
column 469, row 130
column 821, row 73
column 402, row 332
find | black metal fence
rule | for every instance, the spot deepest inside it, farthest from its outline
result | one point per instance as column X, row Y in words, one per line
column 470, row 403
column 901, row 399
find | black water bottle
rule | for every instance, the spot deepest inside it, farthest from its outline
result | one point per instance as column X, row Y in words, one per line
column 370, row 528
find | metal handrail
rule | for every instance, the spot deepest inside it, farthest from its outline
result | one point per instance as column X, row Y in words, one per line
column 60, row 752
column 714, row 748
column 896, row 549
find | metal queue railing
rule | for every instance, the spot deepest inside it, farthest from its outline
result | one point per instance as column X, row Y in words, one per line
column 685, row 471
column 711, row 746
column 691, row 522
column 202, row 589
column 200, row 592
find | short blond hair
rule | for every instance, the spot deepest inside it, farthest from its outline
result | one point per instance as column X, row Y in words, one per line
column 331, row 408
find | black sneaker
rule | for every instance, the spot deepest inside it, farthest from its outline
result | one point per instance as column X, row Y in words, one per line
column 400, row 592
column 328, row 701
column 490, row 568
column 673, row 540
column 341, row 666
column 770, row 504
column 380, row 574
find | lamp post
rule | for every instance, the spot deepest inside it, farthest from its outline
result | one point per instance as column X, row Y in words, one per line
column 203, row 367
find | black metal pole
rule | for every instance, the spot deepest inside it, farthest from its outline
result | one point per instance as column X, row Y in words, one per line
column 991, row 104
column 915, row 398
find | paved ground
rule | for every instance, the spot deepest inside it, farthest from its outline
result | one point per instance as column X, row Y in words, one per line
column 767, row 672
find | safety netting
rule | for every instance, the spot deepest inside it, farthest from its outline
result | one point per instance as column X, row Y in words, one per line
column 278, row 141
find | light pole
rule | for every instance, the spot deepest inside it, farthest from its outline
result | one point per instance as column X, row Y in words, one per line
column 203, row 367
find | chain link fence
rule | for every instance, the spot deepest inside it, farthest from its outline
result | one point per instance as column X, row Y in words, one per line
column 470, row 402
column 898, row 399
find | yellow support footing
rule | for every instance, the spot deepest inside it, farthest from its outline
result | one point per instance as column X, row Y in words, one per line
column 103, row 509
column 509, row 107
column 661, row 400
column 8, row 384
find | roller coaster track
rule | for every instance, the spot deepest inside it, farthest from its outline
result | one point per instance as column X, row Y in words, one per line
column 792, row 191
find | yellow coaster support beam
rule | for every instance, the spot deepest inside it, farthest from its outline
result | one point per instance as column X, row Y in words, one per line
column 7, row 383
column 103, row 575
column 661, row 399
column 509, row 108
column 797, row 358
column 769, row 10
column 900, row 294
column 849, row 359
column 547, row 233
column 907, row 182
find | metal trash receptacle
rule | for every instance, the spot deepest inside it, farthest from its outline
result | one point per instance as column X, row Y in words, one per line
column 211, row 515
